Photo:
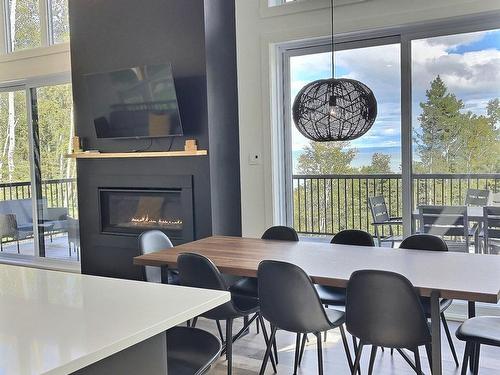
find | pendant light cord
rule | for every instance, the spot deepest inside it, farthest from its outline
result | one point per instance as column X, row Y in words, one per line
column 333, row 44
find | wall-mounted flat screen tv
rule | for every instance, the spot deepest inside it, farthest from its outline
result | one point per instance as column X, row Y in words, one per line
column 138, row 102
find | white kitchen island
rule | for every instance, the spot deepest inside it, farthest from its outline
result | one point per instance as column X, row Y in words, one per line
column 61, row 323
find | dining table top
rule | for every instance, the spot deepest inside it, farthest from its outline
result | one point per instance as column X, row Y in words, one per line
column 470, row 277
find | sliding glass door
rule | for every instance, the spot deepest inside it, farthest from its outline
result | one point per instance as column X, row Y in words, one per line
column 455, row 121
column 16, row 230
column 436, row 140
column 330, row 183
column 38, row 199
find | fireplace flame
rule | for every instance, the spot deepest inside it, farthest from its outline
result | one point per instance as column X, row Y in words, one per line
column 146, row 220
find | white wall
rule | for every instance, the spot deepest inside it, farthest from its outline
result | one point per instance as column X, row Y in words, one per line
column 258, row 31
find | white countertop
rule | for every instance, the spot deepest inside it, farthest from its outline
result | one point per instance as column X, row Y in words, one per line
column 56, row 323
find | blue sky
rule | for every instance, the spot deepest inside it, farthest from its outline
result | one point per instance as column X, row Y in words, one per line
column 468, row 63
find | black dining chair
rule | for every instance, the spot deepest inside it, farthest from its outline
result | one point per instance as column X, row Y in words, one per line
column 149, row 242
column 289, row 302
column 483, row 330
column 198, row 271
column 191, row 351
column 247, row 286
column 332, row 296
column 432, row 243
column 384, row 310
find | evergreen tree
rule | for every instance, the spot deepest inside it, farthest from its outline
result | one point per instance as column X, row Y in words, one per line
column 439, row 123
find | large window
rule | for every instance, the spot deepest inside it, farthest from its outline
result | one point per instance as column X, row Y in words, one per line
column 334, row 179
column 38, row 198
column 456, row 92
column 437, row 132
column 34, row 23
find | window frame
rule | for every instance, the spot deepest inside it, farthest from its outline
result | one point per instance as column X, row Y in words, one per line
column 29, row 85
column 46, row 28
column 405, row 35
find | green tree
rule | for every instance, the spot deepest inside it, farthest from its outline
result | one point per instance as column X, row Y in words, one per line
column 381, row 163
column 451, row 141
column 493, row 111
column 439, row 124
column 326, row 158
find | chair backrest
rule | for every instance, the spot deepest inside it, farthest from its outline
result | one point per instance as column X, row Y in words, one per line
column 149, row 242
column 491, row 223
column 495, row 199
column 378, row 209
column 444, row 220
column 353, row 237
column 198, row 271
column 288, row 298
column 8, row 225
column 280, row 233
column 22, row 208
column 424, row 242
column 477, row 197
column 383, row 309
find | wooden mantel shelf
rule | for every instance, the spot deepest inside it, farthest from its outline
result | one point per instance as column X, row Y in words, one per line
column 149, row 154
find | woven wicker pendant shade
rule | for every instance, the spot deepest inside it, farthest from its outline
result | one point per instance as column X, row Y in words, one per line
column 334, row 110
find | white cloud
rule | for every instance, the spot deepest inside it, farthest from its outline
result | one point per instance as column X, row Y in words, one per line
column 472, row 76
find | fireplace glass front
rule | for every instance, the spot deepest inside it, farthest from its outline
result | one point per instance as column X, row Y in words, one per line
column 132, row 211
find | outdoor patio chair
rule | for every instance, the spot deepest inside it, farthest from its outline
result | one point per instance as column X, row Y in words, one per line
column 450, row 222
column 477, row 197
column 8, row 228
column 491, row 229
column 381, row 218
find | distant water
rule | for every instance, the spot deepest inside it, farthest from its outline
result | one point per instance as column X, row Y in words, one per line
column 364, row 157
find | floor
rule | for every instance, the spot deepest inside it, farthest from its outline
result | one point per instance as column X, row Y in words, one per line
column 249, row 351
column 57, row 248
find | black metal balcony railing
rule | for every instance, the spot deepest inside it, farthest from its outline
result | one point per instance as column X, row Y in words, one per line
column 58, row 193
column 326, row 204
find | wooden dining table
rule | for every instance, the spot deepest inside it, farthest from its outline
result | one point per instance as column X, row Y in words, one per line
column 469, row 277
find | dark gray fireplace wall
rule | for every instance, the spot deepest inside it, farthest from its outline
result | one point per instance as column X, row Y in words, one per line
column 113, row 34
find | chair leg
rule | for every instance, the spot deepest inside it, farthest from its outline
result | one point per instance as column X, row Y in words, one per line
column 467, row 352
column 450, row 340
column 417, row 361
column 18, row 247
column 476, row 359
column 264, row 333
column 268, row 350
column 472, row 357
column 302, row 347
column 326, row 335
column 195, row 320
column 355, row 344
column 320, row 353
column 257, row 325
column 297, row 351
column 392, row 351
column 346, row 347
column 229, row 346
column 358, row 358
column 275, row 349
column 372, row 359
column 428, row 350
column 219, row 328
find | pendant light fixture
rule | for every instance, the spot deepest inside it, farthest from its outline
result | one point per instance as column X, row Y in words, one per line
column 334, row 109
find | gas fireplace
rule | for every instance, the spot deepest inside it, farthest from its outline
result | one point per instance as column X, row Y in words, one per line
column 133, row 211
